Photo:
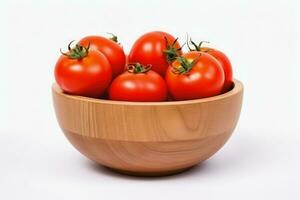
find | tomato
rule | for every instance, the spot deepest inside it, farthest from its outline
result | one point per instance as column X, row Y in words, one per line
column 138, row 83
column 194, row 75
column 110, row 48
column 226, row 65
column 83, row 72
column 223, row 60
column 126, row 60
column 156, row 48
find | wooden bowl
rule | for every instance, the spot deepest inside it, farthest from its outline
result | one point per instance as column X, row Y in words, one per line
column 148, row 138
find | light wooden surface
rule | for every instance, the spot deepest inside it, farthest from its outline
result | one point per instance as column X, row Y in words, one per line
column 145, row 138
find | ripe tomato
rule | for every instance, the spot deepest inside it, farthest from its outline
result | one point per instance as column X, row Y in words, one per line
column 138, row 83
column 83, row 72
column 110, row 48
column 156, row 48
column 226, row 65
column 194, row 75
column 223, row 60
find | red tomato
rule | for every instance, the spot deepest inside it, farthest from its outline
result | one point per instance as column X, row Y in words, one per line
column 226, row 65
column 83, row 72
column 222, row 58
column 126, row 60
column 156, row 48
column 110, row 48
column 138, row 84
column 194, row 75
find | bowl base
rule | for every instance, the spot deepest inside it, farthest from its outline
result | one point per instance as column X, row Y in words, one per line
column 150, row 174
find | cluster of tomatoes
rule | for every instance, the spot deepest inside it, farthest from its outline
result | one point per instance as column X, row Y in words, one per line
column 156, row 69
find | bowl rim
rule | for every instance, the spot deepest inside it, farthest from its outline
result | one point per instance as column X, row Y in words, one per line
column 237, row 88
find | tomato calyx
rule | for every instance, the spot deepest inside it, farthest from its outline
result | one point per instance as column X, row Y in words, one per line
column 113, row 38
column 138, row 68
column 171, row 52
column 196, row 47
column 185, row 65
column 77, row 52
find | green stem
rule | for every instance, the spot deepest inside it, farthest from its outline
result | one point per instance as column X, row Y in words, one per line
column 138, row 68
column 171, row 52
column 195, row 46
column 185, row 66
column 77, row 52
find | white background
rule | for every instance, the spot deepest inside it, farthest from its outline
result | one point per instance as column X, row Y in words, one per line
column 261, row 160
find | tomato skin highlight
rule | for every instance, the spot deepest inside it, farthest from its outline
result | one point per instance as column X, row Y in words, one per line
column 89, row 76
column 112, row 50
column 205, row 79
column 149, row 49
column 226, row 65
column 140, row 87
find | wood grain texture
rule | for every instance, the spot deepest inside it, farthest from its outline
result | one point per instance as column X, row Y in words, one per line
column 148, row 138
